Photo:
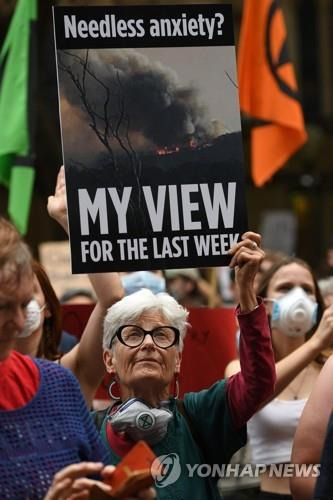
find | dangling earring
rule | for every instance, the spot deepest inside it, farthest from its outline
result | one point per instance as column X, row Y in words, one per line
column 112, row 396
column 176, row 387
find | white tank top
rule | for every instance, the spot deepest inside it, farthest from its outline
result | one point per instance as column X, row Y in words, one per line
column 271, row 431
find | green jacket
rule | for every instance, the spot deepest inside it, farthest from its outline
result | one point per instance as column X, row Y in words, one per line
column 209, row 414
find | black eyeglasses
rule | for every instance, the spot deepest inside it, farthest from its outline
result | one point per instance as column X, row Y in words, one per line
column 133, row 336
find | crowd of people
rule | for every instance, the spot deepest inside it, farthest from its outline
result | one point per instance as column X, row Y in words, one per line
column 277, row 394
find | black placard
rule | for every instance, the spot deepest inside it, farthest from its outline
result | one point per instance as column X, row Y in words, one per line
column 149, row 26
column 151, row 136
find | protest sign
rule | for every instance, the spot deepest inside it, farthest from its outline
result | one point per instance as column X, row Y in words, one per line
column 151, row 136
column 55, row 258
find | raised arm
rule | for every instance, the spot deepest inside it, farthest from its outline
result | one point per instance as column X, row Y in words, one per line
column 57, row 203
column 255, row 382
column 291, row 365
column 288, row 367
column 311, row 431
column 85, row 360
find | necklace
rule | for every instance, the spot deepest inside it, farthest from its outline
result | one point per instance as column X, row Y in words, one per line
column 297, row 391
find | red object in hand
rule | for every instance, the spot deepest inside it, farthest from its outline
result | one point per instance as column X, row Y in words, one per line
column 133, row 473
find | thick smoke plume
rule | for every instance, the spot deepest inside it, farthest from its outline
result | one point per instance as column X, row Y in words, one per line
column 124, row 94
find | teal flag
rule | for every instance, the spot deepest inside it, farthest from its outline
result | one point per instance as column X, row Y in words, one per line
column 17, row 99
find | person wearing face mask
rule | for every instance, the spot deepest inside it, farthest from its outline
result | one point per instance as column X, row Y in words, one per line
column 85, row 360
column 41, row 334
column 34, row 318
column 143, row 342
column 48, row 443
column 133, row 282
column 190, row 289
column 300, row 331
column 43, row 328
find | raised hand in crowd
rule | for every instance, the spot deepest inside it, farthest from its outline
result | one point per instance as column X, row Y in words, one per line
column 291, row 365
column 300, row 331
column 85, row 359
column 246, row 258
column 57, row 203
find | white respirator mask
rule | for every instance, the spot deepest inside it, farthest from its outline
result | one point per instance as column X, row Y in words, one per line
column 33, row 320
column 141, row 421
column 294, row 314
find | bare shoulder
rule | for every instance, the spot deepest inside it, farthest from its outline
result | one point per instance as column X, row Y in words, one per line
column 326, row 373
column 314, row 369
column 232, row 368
column 320, row 402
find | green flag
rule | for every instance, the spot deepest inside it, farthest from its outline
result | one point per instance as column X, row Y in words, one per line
column 17, row 84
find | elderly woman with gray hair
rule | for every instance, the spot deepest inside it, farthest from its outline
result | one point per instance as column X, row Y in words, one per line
column 143, row 341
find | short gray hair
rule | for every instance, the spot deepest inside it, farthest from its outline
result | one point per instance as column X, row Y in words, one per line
column 130, row 308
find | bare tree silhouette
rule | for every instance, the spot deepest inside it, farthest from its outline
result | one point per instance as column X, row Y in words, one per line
column 110, row 121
